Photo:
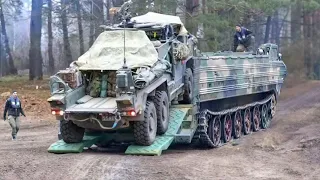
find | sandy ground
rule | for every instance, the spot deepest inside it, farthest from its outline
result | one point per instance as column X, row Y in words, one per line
column 290, row 149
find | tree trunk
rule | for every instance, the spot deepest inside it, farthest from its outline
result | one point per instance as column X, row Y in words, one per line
column 79, row 19
column 91, row 36
column 50, row 39
column 267, row 33
column 35, row 58
column 307, row 42
column 98, row 16
column 204, row 7
column 4, row 64
column 276, row 28
column 66, row 43
column 12, row 69
column 296, row 21
column 2, row 73
column 108, row 7
column 316, row 42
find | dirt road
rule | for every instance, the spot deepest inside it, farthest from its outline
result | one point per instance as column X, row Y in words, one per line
column 290, row 149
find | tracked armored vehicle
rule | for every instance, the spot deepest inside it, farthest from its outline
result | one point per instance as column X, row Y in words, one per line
column 237, row 92
column 127, row 80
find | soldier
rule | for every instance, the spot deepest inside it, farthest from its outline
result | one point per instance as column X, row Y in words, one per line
column 14, row 108
column 242, row 39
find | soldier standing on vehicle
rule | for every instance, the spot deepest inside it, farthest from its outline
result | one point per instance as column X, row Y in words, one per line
column 242, row 39
column 14, row 108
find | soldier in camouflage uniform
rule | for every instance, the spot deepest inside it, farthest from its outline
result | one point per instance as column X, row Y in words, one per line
column 242, row 39
column 14, row 109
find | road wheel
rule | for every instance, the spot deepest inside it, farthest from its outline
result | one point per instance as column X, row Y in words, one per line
column 237, row 124
column 264, row 117
column 214, row 131
column 273, row 106
column 227, row 128
column 71, row 133
column 145, row 131
column 188, row 87
column 256, row 119
column 162, row 107
column 247, row 121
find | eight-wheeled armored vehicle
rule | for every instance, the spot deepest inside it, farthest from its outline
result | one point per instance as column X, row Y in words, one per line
column 127, row 80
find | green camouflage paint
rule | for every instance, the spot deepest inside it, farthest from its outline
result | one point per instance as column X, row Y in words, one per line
column 224, row 75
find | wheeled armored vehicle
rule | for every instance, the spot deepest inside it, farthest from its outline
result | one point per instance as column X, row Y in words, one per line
column 127, row 80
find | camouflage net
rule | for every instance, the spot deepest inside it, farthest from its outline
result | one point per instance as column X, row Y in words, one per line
column 94, row 87
column 145, row 75
column 107, row 52
column 111, row 91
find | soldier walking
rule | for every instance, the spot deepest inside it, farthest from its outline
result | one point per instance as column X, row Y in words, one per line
column 14, row 108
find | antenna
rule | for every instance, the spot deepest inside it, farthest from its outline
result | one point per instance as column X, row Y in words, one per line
column 124, row 46
column 125, row 17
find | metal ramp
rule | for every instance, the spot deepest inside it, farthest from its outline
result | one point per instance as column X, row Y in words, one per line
column 178, row 114
column 61, row 147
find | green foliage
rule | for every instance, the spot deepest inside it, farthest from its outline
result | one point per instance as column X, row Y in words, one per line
column 222, row 16
column 310, row 5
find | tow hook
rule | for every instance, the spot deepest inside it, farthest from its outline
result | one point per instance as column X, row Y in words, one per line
column 117, row 119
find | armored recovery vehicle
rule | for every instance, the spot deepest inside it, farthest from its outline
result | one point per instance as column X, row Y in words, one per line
column 126, row 81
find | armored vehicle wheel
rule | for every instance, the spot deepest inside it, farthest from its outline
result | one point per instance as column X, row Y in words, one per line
column 256, row 119
column 247, row 121
column 273, row 104
column 214, row 131
column 227, row 128
column 188, row 87
column 71, row 133
column 145, row 131
column 162, row 107
column 264, row 117
column 237, row 125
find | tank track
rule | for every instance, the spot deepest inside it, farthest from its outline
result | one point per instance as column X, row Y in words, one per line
column 206, row 116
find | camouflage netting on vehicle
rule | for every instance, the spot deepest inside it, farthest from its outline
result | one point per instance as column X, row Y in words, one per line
column 107, row 51
column 145, row 75
column 163, row 19
column 94, row 88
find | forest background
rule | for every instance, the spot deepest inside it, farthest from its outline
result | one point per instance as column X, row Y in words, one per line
column 39, row 37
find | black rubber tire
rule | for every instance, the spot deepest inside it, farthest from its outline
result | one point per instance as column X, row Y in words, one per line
column 141, row 132
column 188, row 87
column 161, row 103
column 71, row 133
